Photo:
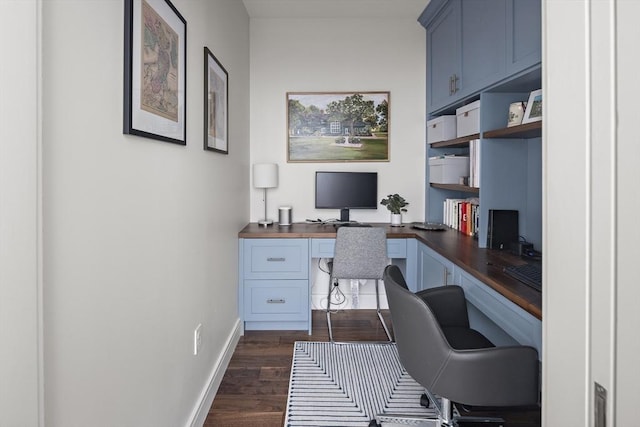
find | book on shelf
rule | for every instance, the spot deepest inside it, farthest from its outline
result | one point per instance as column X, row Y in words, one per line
column 474, row 163
column 462, row 215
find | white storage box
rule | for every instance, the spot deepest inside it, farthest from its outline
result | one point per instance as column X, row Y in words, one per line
column 448, row 169
column 441, row 128
column 468, row 119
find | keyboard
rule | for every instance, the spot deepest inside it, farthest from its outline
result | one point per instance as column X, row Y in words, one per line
column 529, row 274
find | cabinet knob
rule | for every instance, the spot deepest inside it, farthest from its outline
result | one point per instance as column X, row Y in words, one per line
column 276, row 259
column 276, row 301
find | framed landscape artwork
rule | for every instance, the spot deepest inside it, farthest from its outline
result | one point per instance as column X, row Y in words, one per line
column 216, row 104
column 337, row 126
column 155, row 74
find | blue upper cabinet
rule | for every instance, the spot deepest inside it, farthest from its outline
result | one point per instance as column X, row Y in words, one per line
column 484, row 44
column 524, row 47
column 475, row 44
column 444, row 55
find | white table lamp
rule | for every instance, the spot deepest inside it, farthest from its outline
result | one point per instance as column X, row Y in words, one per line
column 265, row 175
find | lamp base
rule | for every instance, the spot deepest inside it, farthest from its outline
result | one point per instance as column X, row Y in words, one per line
column 265, row 222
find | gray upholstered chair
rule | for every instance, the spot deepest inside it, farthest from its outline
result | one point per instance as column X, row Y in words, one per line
column 441, row 352
column 360, row 253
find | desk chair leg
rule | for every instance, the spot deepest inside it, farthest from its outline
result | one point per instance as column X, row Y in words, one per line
column 384, row 325
column 329, row 308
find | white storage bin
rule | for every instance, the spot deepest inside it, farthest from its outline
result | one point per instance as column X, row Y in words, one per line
column 448, row 169
column 441, row 128
column 468, row 119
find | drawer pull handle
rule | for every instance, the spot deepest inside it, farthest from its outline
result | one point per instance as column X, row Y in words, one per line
column 275, row 259
column 276, row 301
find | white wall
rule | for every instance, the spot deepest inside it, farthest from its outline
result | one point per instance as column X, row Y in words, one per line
column 302, row 55
column 627, row 292
column 565, row 248
column 591, row 153
column 334, row 54
column 140, row 236
column 20, row 262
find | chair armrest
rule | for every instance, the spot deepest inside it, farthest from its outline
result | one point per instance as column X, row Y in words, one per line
column 448, row 304
column 498, row 376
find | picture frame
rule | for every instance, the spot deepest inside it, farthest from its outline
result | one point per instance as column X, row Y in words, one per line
column 216, row 104
column 155, row 71
column 338, row 126
column 533, row 113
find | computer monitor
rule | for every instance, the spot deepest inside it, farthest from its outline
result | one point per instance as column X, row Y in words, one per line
column 346, row 190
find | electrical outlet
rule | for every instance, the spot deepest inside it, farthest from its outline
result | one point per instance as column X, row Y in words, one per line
column 197, row 339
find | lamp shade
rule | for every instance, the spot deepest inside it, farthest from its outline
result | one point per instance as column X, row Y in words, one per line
column 265, row 175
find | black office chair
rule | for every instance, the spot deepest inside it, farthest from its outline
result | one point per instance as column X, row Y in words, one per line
column 360, row 253
column 442, row 353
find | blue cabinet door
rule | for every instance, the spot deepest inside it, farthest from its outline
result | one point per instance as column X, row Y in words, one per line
column 433, row 269
column 483, row 44
column 524, row 27
column 473, row 45
column 443, row 56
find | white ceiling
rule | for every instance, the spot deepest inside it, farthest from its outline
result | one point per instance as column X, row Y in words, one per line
column 335, row 8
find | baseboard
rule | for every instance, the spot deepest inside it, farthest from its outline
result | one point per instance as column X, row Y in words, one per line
column 201, row 409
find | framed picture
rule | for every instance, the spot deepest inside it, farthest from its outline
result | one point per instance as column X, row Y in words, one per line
column 533, row 113
column 338, row 126
column 155, row 71
column 216, row 104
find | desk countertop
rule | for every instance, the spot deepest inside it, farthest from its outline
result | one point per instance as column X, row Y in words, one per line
column 483, row 264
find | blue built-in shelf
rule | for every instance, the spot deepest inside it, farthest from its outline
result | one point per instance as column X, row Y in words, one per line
column 492, row 52
column 511, row 166
column 528, row 130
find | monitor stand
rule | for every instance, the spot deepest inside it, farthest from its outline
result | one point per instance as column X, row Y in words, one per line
column 344, row 215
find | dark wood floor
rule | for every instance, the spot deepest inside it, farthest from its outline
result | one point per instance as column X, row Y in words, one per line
column 253, row 392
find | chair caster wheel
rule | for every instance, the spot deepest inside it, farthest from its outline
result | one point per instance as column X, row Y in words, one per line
column 374, row 423
column 424, row 400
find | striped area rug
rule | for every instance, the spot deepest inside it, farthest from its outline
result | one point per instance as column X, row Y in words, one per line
column 348, row 384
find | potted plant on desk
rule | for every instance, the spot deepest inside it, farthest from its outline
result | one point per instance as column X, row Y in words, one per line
column 396, row 205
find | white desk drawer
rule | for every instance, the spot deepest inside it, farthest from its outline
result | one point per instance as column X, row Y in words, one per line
column 276, row 258
column 276, row 300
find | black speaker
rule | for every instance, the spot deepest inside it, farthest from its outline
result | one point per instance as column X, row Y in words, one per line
column 502, row 230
